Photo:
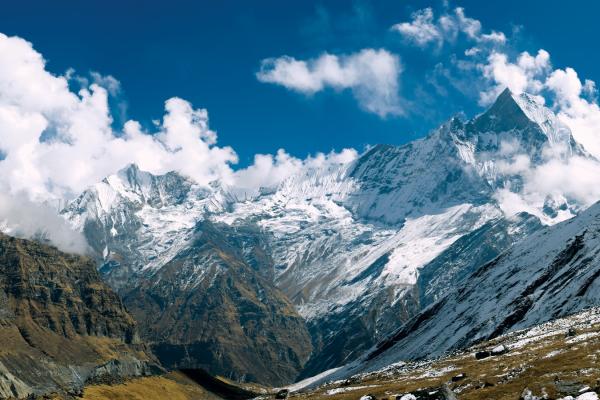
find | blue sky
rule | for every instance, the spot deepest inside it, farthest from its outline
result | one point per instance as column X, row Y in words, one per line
column 209, row 52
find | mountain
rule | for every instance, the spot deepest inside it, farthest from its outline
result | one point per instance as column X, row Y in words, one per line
column 207, row 308
column 551, row 274
column 357, row 248
column 60, row 325
column 200, row 292
column 136, row 221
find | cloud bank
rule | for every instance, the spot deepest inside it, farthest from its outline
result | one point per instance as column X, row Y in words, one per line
column 371, row 75
column 20, row 217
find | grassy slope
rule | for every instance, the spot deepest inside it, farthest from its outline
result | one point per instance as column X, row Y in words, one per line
column 174, row 386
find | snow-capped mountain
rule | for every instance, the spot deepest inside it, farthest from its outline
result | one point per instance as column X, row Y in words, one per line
column 137, row 221
column 346, row 243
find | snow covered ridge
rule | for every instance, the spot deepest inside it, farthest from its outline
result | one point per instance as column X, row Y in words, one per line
column 347, row 240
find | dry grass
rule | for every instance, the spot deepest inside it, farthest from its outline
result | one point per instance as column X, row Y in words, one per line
column 173, row 386
column 534, row 366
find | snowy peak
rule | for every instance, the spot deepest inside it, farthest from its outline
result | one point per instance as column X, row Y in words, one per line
column 142, row 187
column 506, row 114
column 525, row 119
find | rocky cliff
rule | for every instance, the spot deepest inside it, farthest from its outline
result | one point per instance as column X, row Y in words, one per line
column 60, row 326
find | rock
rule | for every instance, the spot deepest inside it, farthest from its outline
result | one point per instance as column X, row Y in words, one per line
column 282, row 394
column 587, row 396
column 480, row 355
column 499, row 350
column 482, row 384
column 368, row 397
column 439, row 393
column 527, row 394
column 206, row 308
column 568, row 388
column 59, row 323
column 459, row 377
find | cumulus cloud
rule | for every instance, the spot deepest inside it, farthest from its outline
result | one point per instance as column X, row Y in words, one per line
column 526, row 74
column 55, row 142
column 371, row 75
column 577, row 107
column 423, row 29
column 566, row 184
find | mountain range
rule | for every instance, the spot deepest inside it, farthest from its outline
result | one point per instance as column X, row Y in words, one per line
column 322, row 269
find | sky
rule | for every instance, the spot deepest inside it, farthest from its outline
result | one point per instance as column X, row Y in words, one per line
column 208, row 53
column 245, row 94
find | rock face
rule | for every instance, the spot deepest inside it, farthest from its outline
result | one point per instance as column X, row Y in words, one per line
column 226, row 318
column 59, row 323
column 353, row 246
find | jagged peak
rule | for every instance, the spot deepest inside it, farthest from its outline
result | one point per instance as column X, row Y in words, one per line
column 528, row 118
column 130, row 177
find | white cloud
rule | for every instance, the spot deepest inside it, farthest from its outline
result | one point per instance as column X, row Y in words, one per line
column 57, row 142
column 581, row 114
column 54, row 142
column 268, row 171
column 23, row 218
column 372, row 76
column 524, row 75
column 424, row 29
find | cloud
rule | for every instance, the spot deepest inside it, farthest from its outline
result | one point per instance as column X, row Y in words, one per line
column 371, row 75
column 268, row 171
column 55, row 142
column 424, row 29
column 23, row 218
column 577, row 107
column 568, row 184
column 524, row 75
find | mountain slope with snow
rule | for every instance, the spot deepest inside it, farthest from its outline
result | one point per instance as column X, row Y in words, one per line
column 552, row 273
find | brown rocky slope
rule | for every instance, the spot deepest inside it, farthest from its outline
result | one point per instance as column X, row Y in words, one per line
column 60, row 326
column 209, row 308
